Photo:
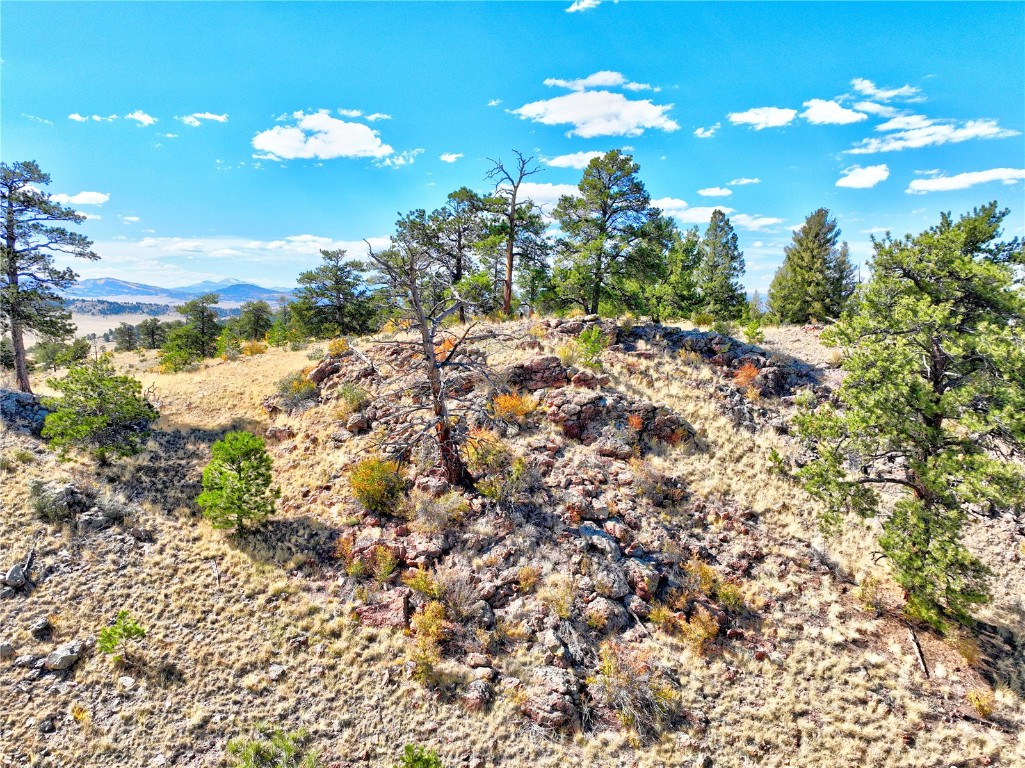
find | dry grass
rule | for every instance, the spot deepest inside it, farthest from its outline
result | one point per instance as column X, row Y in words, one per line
column 821, row 683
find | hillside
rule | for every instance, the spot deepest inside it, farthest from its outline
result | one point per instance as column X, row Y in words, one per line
column 630, row 534
column 112, row 289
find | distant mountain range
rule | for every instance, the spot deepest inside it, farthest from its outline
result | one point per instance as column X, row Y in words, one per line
column 230, row 290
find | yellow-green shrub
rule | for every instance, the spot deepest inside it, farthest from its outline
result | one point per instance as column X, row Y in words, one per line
column 376, row 484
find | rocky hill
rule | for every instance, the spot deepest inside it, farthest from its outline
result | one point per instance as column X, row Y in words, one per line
column 634, row 580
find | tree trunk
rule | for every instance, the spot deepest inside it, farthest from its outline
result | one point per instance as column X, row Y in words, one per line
column 20, row 363
column 509, row 250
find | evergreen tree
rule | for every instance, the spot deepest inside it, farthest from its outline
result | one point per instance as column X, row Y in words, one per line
column 333, row 299
column 676, row 294
column 152, row 333
column 255, row 319
column 612, row 235
column 514, row 211
column 816, row 277
column 932, row 406
column 200, row 332
column 99, row 411
column 720, row 267
column 126, row 337
column 237, row 482
column 30, row 284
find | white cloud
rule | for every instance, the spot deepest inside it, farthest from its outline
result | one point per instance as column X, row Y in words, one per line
column 91, row 216
column 42, row 120
column 576, row 160
column 931, row 134
column 451, row 157
column 603, row 79
column 905, row 123
column 684, row 214
column 197, row 117
column 583, row 5
column 319, row 135
column 965, row 180
column 78, row 118
column 375, row 116
column 641, row 87
column 494, row 102
column 406, row 157
column 857, row 177
column 170, row 135
column 821, row 112
column 102, row 119
column 546, row 195
column 350, row 112
column 868, row 88
column 876, row 109
column 742, row 181
column 747, row 221
column 763, row 117
column 599, row 113
column 707, row 133
column 130, row 219
column 82, row 198
column 141, row 118
column 715, row 192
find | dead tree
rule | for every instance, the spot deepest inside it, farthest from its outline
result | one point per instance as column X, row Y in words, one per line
column 411, row 271
column 507, row 188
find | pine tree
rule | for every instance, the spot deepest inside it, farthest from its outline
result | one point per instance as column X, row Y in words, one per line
column 816, row 277
column 932, row 406
column 334, row 299
column 720, row 267
column 30, row 284
column 237, row 482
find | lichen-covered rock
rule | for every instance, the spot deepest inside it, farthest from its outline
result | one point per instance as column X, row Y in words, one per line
column 606, row 615
column 542, row 372
column 392, row 611
column 64, row 657
column 610, row 581
column 551, row 698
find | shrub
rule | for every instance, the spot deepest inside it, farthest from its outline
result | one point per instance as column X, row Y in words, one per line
column 745, row 376
column 567, row 353
column 644, row 698
column 537, row 331
column 703, row 577
column 376, row 484
column 351, row 398
column 592, row 343
column 385, row 563
column 729, row 596
column 337, row 347
column 723, row 327
column 430, row 515
column 557, row 594
column 272, row 748
column 513, row 406
column 418, row 757
column 700, row 630
column 251, row 348
column 983, row 701
column 114, row 640
column 229, row 345
column 421, row 580
column 702, row 319
column 753, row 332
column 237, row 482
column 296, row 392
column 430, row 627
column 965, row 644
column 100, row 411
column 527, row 578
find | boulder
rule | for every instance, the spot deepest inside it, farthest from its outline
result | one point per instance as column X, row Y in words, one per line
column 392, row 611
column 541, row 372
column 325, row 369
column 551, row 698
column 610, row 581
column 606, row 615
column 64, row 657
column 15, row 577
column 6, row 651
column 279, row 434
column 478, row 696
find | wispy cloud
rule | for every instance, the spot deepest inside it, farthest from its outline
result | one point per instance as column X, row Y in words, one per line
column 881, row 110
column 546, row 195
column 494, row 102
column 450, row 157
column 742, row 181
column 715, row 192
column 583, row 5
column 319, row 135
column 406, row 157
column 603, row 79
column 577, row 160
column 130, row 219
column 747, row 221
column 870, row 89
column 82, row 198
column 42, row 120
column 965, row 180
column 915, row 131
column 95, row 118
column 707, row 133
column 856, row 177
column 822, row 112
column 196, row 118
column 760, row 118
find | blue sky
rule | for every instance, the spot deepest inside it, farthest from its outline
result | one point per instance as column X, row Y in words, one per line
column 210, row 140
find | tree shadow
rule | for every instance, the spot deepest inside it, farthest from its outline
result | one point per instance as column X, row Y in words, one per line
column 293, row 543
column 168, row 473
column 1002, row 649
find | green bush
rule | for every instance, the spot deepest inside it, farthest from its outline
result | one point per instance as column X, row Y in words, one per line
column 376, row 484
column 100, row 411
column 296, row 392
column 114, row 640
column 702, row 319
column 418, row 757
column 272, row 748
column 753, row 332
column 237, row 482
column 592, row 343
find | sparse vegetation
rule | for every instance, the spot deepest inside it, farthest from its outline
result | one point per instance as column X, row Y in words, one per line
column 268, row 747
column 116, row 640
column 376, row 484
column 417, row 757
column 297, row 392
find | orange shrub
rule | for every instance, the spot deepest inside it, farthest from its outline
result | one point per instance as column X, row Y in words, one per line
column 635, row 421
column 251, row 348
column 513, row 406
column 745, row 375
column 337, row 347
column 376, row 484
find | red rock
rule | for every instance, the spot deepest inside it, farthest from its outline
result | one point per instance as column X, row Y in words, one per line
column 393, row 611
